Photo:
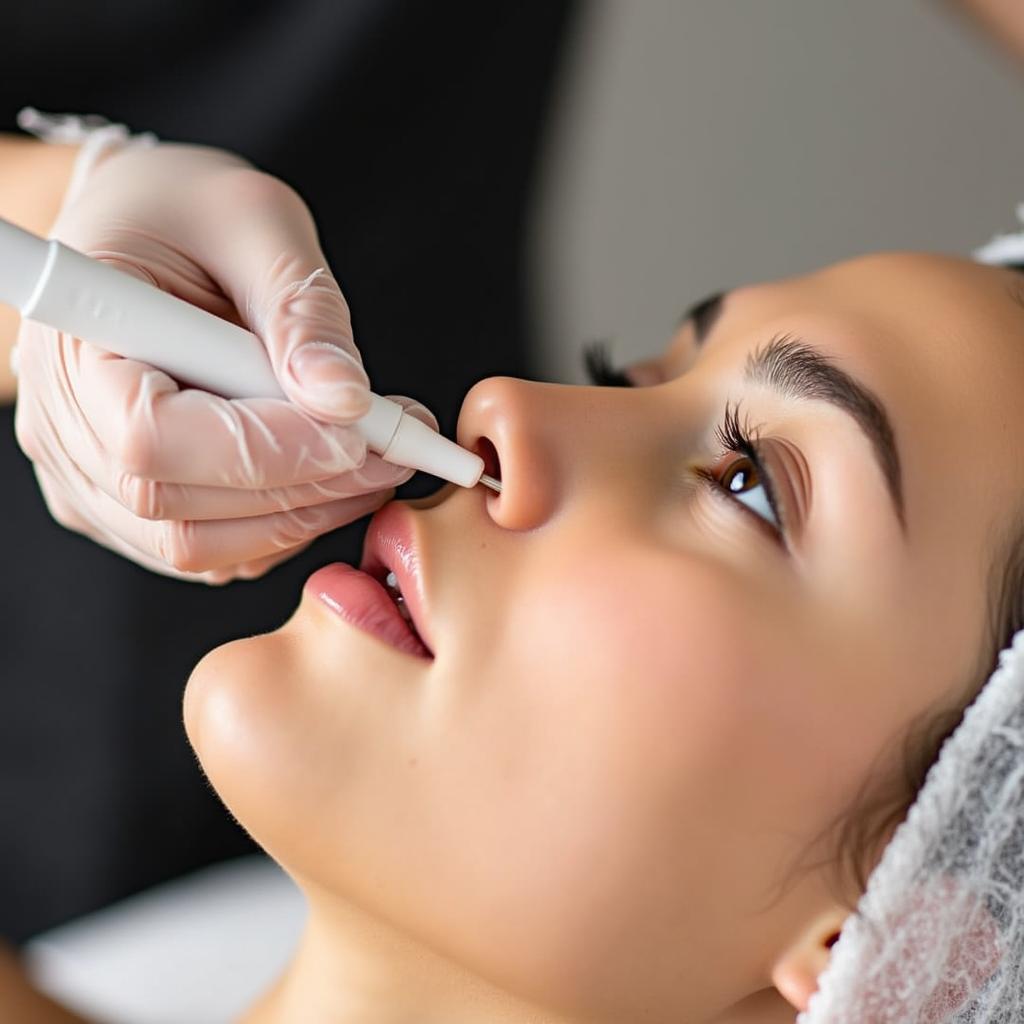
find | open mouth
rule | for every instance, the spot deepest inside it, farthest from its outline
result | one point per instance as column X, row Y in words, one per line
column 385, row 596
column 391, row 555
column 364, row 601
column 390, row 583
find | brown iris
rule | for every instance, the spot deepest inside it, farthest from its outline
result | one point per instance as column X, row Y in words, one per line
column 740, row 476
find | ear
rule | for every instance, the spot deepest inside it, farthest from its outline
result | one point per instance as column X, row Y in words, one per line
column 796, row 972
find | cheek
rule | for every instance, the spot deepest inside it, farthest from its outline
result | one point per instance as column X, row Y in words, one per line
column 649, row 681
column 654, row 648
column 614, row 713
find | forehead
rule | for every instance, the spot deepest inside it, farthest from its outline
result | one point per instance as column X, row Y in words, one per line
column 955, row 310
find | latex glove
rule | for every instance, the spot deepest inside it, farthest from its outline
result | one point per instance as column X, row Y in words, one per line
column 182, row 481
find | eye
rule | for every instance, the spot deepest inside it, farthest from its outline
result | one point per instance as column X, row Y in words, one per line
column 743, row 481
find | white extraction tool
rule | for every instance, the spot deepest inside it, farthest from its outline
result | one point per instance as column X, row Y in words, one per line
column 57, row 286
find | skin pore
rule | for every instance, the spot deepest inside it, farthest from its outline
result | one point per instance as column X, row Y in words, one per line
column 646, row 699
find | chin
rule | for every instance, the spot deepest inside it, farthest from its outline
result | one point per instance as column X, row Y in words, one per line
column 234, row 707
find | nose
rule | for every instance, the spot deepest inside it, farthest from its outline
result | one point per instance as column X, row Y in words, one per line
column 506, row 420
column 537, row 437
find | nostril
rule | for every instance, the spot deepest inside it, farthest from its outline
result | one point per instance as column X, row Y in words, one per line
column 486, row 450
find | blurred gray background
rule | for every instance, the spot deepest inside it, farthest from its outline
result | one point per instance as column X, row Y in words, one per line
column 700, row 144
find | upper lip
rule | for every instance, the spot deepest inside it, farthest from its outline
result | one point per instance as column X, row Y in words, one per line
column 391, row 545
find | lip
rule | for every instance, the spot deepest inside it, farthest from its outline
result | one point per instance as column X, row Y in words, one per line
column 359, row 596
column 362, row 601
column 391, row 546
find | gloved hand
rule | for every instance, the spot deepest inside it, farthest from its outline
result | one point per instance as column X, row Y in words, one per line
column 182, row 481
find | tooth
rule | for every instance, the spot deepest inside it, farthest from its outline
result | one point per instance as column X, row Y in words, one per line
column 392, row 581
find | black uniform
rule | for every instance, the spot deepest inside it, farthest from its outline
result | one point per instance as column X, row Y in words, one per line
column 410, row 127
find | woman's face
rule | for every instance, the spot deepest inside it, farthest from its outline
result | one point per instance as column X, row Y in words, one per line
column 645, row 697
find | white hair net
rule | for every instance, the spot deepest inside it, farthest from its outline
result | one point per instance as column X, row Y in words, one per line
column 1004, row 248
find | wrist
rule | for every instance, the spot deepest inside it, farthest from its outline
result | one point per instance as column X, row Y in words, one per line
column 34, row 177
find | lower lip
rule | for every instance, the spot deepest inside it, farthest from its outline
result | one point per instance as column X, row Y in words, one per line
column 364, row 603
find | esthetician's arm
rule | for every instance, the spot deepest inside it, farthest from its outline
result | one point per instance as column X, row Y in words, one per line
column 20, row 1003
column 33, row 177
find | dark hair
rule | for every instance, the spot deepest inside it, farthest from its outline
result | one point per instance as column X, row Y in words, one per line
column 862, row 830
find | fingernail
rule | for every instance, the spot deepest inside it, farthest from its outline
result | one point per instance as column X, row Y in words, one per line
column 332, row 379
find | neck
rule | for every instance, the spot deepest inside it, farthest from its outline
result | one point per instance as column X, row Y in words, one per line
column 763, row 1007
column 350, row 969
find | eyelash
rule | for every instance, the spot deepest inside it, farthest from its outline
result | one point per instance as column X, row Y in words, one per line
column 736, row 436
column 733, row 435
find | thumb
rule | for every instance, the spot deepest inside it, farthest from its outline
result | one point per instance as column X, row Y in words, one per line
column 266, row 256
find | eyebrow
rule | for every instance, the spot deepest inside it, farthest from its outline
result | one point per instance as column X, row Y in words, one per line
column 791, row 367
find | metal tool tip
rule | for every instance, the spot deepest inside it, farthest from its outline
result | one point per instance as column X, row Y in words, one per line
column 489, row 481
